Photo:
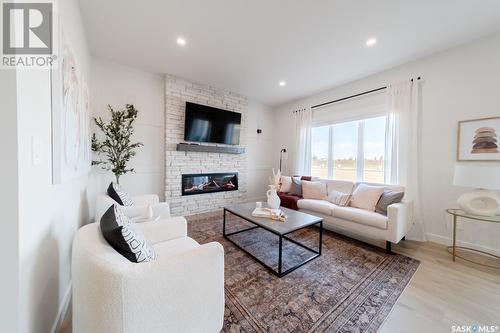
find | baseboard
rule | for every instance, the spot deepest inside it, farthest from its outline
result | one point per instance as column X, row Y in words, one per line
column 63, row 309
column 448, row 241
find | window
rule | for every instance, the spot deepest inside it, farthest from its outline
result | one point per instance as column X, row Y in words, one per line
column 353, row 150
column 321, row 138
column 345, row 150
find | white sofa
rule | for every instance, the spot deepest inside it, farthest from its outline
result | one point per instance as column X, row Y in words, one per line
column 181, row 291
column 139, row 208
column 391, row 228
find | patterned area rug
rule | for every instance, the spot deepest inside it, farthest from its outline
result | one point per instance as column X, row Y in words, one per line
column 351, row 287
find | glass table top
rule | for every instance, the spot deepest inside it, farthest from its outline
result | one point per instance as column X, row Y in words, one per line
column 462, row 213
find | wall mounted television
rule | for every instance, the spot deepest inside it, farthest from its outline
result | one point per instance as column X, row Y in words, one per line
column 208, row 124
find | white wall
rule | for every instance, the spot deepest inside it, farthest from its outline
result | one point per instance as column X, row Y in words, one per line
column 9, row 195
column 118, row 85
column 461, row 83
column 48, row 214
column 260, row 150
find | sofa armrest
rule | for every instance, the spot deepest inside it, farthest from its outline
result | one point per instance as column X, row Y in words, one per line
column 134, row 211
column 184, row 293
column 400, row 219
column 164, row 229
column 146, row 199
column 161, row 209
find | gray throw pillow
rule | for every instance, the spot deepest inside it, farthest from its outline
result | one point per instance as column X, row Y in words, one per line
column 388, row 198
column 296, row 187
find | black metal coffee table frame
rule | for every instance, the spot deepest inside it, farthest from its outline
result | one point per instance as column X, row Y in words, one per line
column 279, row 272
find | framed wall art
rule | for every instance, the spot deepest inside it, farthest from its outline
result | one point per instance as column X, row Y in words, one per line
column 71, row 154
column 478, row 139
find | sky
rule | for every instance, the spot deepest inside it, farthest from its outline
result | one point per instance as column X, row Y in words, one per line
column 345, row 137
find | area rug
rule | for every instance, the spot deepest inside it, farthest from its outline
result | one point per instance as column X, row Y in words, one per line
column 351, row 287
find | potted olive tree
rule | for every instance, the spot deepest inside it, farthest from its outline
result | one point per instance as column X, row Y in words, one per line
column 116, row 148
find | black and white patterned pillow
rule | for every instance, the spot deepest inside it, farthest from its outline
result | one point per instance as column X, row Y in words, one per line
column 116, row 192
column 138, row 245
column 121, row 218
column 121, row 234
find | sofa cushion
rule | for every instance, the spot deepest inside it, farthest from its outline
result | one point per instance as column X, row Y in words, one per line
column 388, row 198
column 174, row 247
column 366, row 196
column 338, row 198
column 286, row 184
column 320, row 206
column 343, row 186
column 361, row 216
column 396, row 188
column 313, row 190
column 289, row 200
column 296, row 186
column 124, row 237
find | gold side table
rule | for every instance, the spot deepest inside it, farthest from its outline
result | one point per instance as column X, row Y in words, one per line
column 456, row 213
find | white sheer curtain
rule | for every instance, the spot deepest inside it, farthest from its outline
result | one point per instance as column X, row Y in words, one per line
column 403, row 147
column 303, row 124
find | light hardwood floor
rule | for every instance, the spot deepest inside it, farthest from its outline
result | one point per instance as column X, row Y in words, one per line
column 442, row 293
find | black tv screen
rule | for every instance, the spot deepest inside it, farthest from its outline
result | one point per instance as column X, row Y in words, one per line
column 208, row 124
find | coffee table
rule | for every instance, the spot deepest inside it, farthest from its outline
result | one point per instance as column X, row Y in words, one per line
column 295, row 221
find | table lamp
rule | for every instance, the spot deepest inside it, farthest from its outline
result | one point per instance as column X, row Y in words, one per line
column 480, row 201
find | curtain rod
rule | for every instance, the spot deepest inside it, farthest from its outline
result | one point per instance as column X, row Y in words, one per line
column 352, row 96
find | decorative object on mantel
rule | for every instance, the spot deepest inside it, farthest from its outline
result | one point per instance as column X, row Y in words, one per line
column 480, row 201
column 453, row 249
column 209, row 149
column 116, row 145
column 477, row 139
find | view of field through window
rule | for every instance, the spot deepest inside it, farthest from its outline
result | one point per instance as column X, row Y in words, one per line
column 335, row 150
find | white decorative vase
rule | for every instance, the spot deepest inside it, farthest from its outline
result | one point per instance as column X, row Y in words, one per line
column 273, row 201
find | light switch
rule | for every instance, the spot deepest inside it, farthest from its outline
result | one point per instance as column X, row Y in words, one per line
column 37, row 150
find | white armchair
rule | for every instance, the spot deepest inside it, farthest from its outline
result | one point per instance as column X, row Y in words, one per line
column 181, row 291
column 139, row 208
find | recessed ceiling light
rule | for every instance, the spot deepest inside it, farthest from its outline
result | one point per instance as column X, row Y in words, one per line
column 282, row 83
column 181, row 41
column 371, row 42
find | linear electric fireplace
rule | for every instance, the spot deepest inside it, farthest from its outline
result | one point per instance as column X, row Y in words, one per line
column 209, row 182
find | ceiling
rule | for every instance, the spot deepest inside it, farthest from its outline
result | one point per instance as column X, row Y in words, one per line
column 249, row 46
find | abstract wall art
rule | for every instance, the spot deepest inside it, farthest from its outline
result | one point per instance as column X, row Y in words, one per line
column 478, row 140
column 71, row 155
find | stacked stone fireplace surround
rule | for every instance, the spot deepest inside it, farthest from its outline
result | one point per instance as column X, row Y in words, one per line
column 177, row 92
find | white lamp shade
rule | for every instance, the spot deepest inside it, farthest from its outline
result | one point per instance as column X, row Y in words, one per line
column 475, row 176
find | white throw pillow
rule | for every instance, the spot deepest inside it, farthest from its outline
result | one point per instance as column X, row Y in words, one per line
column 366, row 196
column 286, row 184
column 313, row 190
column 339, row 198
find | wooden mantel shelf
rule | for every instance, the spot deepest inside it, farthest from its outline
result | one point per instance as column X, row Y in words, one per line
column 209, row 149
